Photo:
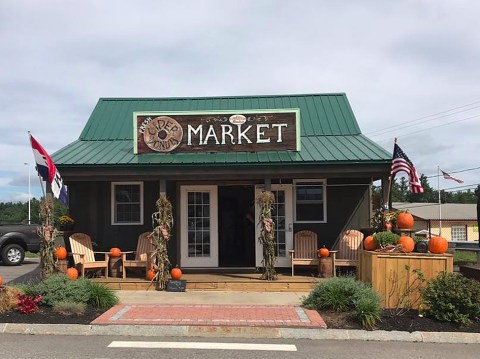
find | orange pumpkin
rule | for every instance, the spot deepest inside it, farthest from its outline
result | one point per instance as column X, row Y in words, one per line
column 1, row 281
column 407, row 243
column 72, row 273
column 115, row 252
column 323, row 252
column 405, row 220
column 61, row 253
column 437, row 245
column 369, row 243
column 176, row 273
column 150, row 274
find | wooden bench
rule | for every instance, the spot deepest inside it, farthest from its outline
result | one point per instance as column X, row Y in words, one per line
column 345, row 251
column 305, row 249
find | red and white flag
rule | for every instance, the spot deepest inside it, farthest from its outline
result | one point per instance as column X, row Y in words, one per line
column 48, row 171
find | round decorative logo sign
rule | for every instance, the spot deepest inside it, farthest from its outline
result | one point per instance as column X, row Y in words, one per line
column 163, row 134
column 237, row 119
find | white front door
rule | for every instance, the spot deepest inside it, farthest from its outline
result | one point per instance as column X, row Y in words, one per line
column 199, row 226
column 283, row 218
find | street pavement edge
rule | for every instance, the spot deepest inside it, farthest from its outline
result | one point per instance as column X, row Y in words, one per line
column 239, row 332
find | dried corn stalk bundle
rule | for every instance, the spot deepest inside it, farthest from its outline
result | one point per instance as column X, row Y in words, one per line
column 265, row 202
column 162, row 222
column 47, row 233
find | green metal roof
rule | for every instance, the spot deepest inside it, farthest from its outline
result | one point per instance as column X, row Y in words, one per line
column 329, row 133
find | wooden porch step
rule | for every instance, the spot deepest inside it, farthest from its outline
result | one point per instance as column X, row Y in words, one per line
column 273, row 286
column 223, row 282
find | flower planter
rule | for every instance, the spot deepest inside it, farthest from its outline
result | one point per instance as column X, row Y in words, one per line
column 388, row 275
column 66, row 228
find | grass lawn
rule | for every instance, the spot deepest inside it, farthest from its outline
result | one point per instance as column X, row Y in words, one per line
column 464, row 257
column 31, row 255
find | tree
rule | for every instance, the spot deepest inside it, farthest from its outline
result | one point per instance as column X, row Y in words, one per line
column 17, row 213
column 428, row 195
column 399, row 190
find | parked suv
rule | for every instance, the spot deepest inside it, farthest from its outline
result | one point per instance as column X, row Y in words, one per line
column 15, row 240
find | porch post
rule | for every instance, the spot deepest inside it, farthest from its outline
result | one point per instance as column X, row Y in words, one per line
column 163, row 186
column 268, row 184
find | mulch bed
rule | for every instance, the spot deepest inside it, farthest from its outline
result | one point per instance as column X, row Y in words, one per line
column 409, row 322
column 46, row 315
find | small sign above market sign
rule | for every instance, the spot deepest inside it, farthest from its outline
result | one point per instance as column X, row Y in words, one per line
column 221, row 131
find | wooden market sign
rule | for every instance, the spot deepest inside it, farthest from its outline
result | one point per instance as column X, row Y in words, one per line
column 220, row 131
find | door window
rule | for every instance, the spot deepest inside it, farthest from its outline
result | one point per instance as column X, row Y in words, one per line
column 198, row 224
column 278, row 216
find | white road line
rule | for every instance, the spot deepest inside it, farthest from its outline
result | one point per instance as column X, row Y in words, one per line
column 203, row 345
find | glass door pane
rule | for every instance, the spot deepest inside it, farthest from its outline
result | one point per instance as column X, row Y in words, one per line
column 278, row 215
column 198, row 224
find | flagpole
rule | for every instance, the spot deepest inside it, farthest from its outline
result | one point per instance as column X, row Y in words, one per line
column 41, row 183
column 439, row 203
column 389, row 194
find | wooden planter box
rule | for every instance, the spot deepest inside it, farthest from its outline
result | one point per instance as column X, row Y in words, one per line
column 389, row 277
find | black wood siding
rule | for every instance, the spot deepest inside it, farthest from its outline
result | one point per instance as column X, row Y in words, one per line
column 348, row 207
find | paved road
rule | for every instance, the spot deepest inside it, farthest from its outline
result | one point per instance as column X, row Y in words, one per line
column 81, row 347
column 28, row 272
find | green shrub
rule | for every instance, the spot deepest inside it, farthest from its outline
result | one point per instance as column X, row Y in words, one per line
column 69, row 308
column 452, row 298
column 382, row 239
column 346, row 294
column 22, row 287
column 101, row 296
column 464, row 257
column 336, row 293
column 369, row 311
column 58, row 288
column 417, row 239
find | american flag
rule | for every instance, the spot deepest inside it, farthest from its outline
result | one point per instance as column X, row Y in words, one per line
column 447, row 176
column 400, row 162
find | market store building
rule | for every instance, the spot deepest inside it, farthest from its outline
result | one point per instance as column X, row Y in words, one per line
column 211, row 156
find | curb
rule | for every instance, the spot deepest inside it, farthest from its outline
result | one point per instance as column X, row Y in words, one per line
column 47, row 329
column 239, row 332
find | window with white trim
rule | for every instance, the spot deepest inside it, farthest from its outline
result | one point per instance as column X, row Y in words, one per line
column 310, row 201
column 459, row 233
column 127, row 203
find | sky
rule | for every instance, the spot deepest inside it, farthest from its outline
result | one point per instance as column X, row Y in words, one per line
column 410, row 69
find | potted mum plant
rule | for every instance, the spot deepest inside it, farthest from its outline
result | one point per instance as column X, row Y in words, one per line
column 66, row 223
